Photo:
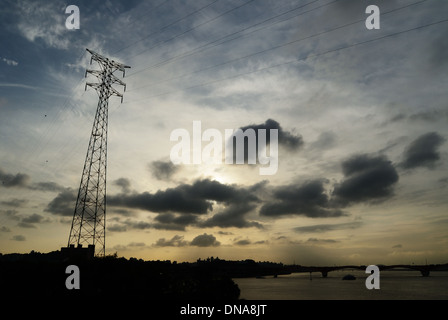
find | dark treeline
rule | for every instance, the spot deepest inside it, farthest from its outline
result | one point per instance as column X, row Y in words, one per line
column 43, row 276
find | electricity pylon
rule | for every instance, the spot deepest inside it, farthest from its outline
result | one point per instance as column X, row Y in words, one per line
column 89, row 218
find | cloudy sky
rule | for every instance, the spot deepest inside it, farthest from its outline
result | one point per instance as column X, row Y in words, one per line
column 361, row 117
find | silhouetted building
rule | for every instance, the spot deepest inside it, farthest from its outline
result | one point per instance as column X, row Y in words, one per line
column 79, row 252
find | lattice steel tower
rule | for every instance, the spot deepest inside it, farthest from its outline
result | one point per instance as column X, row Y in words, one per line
column 89, row 219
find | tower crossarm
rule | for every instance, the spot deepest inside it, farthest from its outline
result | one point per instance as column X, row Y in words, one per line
column 105, row 62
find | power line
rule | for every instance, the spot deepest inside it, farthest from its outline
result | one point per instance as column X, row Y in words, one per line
column 275, row 47
column 208, row 45
column 67, row 151
column 146, row 12
column 166, row 26
column 191, row 29
column 45, row 140
column 204, row 47
column 39, row 148
column 51, row 129
column 295, row 60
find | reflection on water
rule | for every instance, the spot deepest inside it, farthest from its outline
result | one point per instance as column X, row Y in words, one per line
column 394, row 285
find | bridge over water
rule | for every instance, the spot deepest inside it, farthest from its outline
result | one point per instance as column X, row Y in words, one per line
column 424, row 269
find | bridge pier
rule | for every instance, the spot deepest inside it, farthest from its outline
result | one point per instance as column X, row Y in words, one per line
column 324, row 274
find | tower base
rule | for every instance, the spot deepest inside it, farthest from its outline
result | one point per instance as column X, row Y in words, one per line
column 78, row 253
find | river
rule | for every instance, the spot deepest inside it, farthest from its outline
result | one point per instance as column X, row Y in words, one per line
column 394, row 285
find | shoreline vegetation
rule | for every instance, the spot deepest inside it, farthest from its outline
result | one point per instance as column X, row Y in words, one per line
column 43, row 276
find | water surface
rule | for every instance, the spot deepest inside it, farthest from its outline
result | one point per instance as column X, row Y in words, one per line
column 394, row 285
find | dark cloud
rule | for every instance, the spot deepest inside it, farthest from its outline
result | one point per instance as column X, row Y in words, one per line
column 26, row 225
column 225, row 233
column 47, row 186
column 423, row 151
column 424, row 116
column 214, row 190
column 31, row 221
column 318, row 241
column 239, row 203
column 63, row 204
column 308, row 199
column 328, row 227
column 34, row 218
column 243, row 242
column 136, row 244
column 18, row 237
column 176, row 241
column 140, row 225
column 398, row 117
column 117, row 228
column 170, row 221
column 130, row 246
column 433, row 115
column 180, row 199
column 11, row 214
column 120, row 225
column 233, row 216
column 443, row 182
column 8, row 180
column 16, row 203
column 179, row 207
column 205, row 240
column 286, row 139
column 163, row 170
column 430, row 115
column 124, row 183
column 366, row 178
column 4, row 229
column 122, row 212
